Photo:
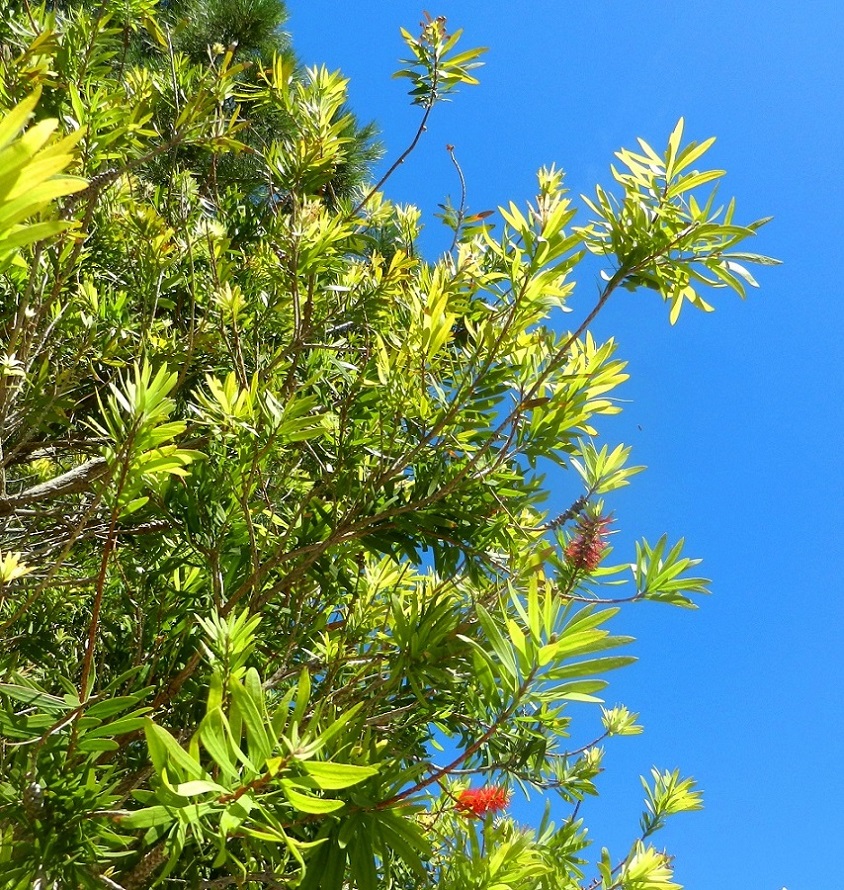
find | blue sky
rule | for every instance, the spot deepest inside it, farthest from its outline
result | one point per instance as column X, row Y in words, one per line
column 738, row 414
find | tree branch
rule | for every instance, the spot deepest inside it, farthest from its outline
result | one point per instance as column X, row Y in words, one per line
column 75, row 480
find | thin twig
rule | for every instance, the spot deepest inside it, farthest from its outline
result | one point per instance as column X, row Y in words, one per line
column 461, row 210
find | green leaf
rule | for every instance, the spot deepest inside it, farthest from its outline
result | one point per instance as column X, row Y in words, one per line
column 258, row 742
column 330, row 776
column 90, row 746
column 166, row 753
column 110, row 706
column 35, row 698
column 149, row 817
column 306, row 803
column 334, row 728
column 499, row 645
column 216, row 739
column 199, row 786
column 127, row 724
column 303, row 696
column 403, row 835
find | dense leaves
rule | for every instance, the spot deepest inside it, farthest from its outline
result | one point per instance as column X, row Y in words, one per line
column 279, row 600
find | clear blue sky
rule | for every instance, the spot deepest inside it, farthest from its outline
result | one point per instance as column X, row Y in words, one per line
column 738, row 415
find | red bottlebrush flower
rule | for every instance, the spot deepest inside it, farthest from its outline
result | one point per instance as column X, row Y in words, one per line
column 585, row 548
column 480, row 801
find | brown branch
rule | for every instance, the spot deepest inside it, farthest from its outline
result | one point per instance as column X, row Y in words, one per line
column 73, row 481
column 396, row 164
column 461, row 210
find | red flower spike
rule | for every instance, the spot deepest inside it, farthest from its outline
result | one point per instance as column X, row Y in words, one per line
column 480, row 801
column 585, row 548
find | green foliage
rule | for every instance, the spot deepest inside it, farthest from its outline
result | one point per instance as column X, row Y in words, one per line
column 271, row 483
column 661, row 234
column 31, row 178
column 434, row 70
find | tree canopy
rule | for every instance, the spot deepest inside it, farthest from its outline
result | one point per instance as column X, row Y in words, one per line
column 280, row 603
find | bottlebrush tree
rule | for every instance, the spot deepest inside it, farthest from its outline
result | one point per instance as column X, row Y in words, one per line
column 270, row 518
